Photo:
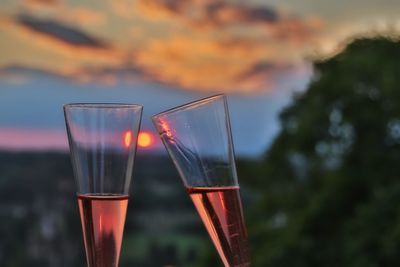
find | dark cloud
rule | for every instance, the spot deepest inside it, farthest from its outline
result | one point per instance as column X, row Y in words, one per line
column 59, row 32
column 260, row 67
column 261, row 14
column 215, row 13
column 172, row 5
column 266, row 70
column 219, row 14
column 269, row 76
column 229, row 13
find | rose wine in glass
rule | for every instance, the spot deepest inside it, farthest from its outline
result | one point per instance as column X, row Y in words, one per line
column 103, row 220
column 102, row 140
column 198, row 139
column 220, row 209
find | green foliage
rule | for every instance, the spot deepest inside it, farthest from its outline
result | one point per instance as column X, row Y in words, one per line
column 330, row 183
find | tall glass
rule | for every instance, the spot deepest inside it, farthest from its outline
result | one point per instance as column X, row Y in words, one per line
column 102, row 140
column 198, row 139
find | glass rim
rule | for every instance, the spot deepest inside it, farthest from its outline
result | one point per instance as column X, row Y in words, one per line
column 102, row 106
column 188, row 105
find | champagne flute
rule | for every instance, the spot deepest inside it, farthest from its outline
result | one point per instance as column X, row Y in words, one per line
column 198, row 139
column 102, row 140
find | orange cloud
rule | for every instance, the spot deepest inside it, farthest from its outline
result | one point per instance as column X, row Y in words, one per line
column 136, row 32
column 83, row 16
column 197, row 61
column 204, row 65
column 41, row 3
column 215, row 47
column 207, row 64
column 224, row 41
column 208, row 45
column 123, row 8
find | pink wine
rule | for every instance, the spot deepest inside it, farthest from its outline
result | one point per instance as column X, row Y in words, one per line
column 103, row 220
column 220, row 209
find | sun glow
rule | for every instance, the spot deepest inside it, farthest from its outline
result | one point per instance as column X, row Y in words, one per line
column 145, row 140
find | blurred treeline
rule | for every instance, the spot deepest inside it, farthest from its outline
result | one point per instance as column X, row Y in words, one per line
column 329, row 187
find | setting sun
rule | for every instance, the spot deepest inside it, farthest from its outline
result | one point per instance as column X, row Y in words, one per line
column 145, row 139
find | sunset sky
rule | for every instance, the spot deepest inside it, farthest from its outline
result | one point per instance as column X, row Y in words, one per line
column 162, row 53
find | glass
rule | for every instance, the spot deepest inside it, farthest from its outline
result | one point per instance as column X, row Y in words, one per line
column 102, row 140
column 198, row 139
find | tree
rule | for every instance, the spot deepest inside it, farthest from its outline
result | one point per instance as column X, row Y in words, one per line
column 330, row 183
